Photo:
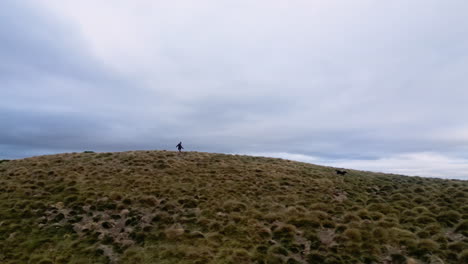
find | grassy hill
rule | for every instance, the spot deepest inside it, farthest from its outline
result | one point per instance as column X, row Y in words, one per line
column 166, row 207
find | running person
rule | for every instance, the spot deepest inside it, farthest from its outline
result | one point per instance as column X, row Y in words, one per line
column 179, row 146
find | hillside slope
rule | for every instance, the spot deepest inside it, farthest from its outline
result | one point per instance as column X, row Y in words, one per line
column 166, row 207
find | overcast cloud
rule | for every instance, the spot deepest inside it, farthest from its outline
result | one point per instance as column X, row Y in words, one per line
column 372, row 85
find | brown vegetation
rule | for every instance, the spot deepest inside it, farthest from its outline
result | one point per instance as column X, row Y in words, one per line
column 166, row 207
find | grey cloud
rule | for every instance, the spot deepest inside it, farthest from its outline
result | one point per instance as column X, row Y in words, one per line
column 334, row 80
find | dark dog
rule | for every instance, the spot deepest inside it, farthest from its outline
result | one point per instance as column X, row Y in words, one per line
column 341, row 172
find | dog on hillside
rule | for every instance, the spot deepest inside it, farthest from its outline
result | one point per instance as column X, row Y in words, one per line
column 341, row 172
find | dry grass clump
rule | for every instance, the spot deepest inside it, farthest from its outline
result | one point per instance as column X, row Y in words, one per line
column 449, row 218
column 166, row 207
column 463, row 257
column 462, row 228
column 427, row 246
column 174, row 232
column 353, row 234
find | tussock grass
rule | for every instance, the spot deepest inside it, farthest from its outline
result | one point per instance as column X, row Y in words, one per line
column 166, row 207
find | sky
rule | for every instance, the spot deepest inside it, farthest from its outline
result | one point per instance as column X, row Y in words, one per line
column 365, row 84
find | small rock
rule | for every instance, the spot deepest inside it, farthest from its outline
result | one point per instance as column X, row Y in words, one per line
column 197, row 234
column 127, row 242
column 124, row 212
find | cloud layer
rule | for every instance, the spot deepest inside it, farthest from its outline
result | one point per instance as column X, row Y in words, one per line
column 367, row 85
column 413, row 164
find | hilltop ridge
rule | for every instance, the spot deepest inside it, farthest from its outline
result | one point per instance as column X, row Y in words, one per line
column 195, row 207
